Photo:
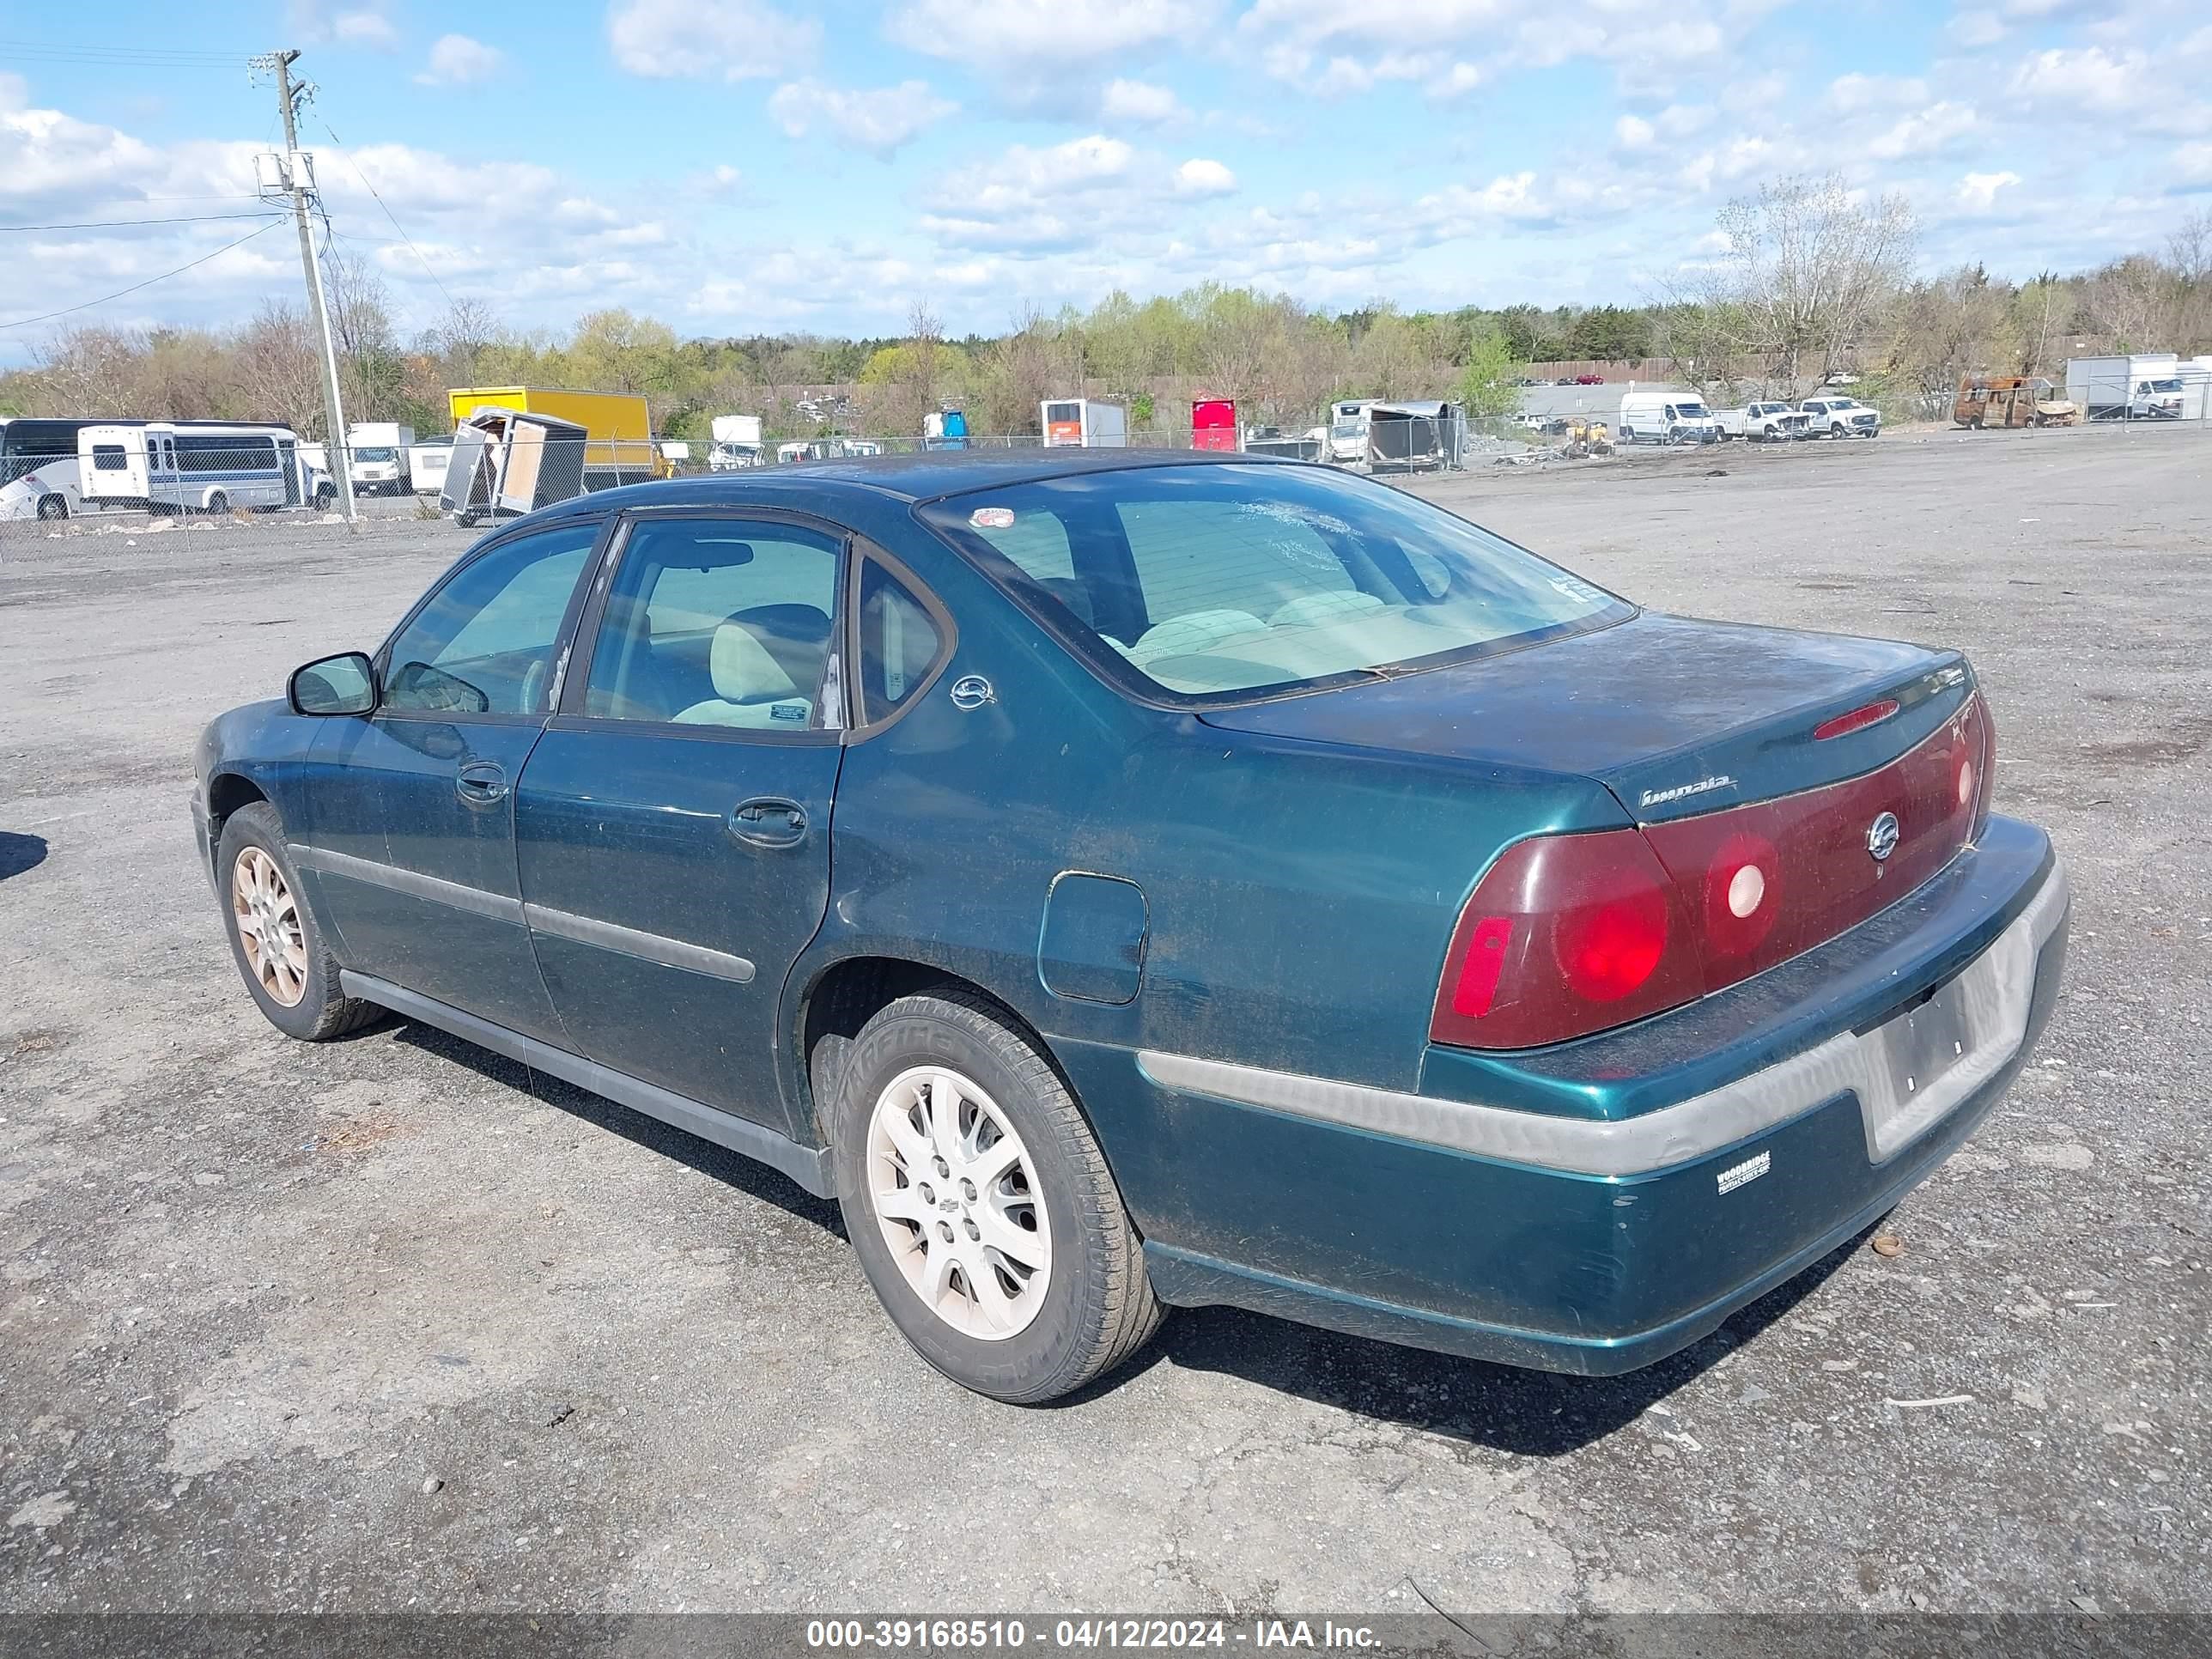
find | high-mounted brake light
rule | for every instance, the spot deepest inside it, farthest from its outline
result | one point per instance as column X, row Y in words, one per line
column 1857, row 719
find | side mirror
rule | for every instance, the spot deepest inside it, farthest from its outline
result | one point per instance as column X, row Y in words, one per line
column 343, row 684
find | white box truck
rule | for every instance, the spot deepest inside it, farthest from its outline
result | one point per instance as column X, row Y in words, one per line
column 376, row 456
column 1080, row 423
column 737, row 442
column 2143, row 386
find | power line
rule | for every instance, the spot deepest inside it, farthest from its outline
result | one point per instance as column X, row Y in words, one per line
column 25, row 322
column 388, row 213
column 150, row 57
column 113, row 224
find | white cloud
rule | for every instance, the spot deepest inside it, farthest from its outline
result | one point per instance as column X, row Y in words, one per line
column 1849, row 94
column 457, row 61
column 2193, row 164
column 2086, row 77
column 1978, row 192
column 710, row 39
column 1932, row 129
column 1977, row 28
column 1140, row 103
column 879, row 120
column 312, row 22
column 1634, row 132
column 1201, row 177
column 1001, row 38
column 366, row 28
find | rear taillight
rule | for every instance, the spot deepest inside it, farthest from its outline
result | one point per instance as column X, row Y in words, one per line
column 1982, row 740
column 1565, row 935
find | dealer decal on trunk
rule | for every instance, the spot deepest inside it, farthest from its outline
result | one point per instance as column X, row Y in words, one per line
column 1750, row 1169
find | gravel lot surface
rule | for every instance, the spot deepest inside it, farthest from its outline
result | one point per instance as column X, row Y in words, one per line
column 385, row 1324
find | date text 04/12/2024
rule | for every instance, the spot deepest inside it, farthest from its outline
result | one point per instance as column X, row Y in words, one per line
column 981, row 1634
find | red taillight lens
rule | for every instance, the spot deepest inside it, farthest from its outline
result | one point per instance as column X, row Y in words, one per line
column 1566, row 935
column 1984, row 740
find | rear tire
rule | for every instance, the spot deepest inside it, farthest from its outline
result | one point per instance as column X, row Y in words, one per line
column 217, row 504
column 280, row 952
column 953, row 1136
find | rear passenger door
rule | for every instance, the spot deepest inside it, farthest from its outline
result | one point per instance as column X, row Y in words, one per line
column 673, row 825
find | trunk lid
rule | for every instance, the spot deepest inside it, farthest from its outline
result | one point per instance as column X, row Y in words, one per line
column 1676, row 717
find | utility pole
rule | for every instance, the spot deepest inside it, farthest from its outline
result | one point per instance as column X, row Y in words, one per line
column 279, row 63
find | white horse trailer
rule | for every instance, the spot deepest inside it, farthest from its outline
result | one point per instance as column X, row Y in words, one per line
column 198, row 468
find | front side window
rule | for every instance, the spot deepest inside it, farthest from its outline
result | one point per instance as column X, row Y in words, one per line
column 483, row 645
column 720, row 622
column 109, row 458
column 1219, row 583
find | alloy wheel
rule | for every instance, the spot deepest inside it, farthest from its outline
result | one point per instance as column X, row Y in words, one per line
column 267, row 917
column 955, row 1192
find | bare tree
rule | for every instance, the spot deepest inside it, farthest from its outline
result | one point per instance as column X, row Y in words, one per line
column 1808, row 266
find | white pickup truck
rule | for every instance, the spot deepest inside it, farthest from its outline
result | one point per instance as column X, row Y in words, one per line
column 1769, row 421
column 1841, row 418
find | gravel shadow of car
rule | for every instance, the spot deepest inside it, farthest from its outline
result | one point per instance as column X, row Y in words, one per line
column 1502, row 1407
column 20, row 853
column 755, row 1180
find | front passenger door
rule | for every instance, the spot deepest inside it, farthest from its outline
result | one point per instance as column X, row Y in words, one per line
column 414, row 827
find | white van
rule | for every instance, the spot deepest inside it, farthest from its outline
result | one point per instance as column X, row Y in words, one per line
column 1666, row 417
column 200, row 467
column 1348, row 422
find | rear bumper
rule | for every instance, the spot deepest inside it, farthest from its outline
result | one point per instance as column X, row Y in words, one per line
column 1594, row 1207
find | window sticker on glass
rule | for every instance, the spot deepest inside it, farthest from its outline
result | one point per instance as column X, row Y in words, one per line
column 993, row 518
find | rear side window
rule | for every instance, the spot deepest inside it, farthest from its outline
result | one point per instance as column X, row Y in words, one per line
column 900, row 642
column 109, row 458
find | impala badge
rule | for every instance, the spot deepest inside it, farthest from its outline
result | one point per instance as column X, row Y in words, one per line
column 1882, row 836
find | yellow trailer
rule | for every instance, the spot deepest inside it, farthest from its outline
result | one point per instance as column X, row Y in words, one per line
column 618, row 427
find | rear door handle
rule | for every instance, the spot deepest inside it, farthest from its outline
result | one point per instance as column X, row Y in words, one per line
column 481, row 783
column 768, row 821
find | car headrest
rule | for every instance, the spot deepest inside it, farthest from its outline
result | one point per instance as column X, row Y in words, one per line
column 742, row 669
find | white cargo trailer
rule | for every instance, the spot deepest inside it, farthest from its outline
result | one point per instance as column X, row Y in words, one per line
column 1080, row 423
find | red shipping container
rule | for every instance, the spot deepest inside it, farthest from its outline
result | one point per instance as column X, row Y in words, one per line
column 1213, row 424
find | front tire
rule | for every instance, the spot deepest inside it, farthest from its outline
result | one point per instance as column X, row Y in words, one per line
column 52, row 508
column 279, row 951
column 980, row 1205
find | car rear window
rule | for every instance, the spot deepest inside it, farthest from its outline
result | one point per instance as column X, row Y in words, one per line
column 1227, row 582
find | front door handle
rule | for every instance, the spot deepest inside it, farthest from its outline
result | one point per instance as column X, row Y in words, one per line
column 768, row 821
column 481, row 783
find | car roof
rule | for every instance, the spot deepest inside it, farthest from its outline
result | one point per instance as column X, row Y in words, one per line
column 917, row 478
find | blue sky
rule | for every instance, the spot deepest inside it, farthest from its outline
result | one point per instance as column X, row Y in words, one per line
column 733, row 165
